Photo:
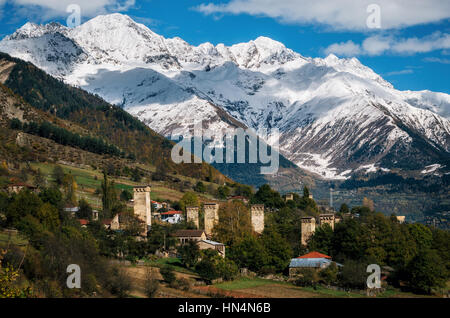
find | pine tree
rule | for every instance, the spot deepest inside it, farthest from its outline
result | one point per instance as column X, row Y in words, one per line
column 108, row 194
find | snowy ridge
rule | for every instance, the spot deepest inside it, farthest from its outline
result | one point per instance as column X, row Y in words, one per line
column 335, row 116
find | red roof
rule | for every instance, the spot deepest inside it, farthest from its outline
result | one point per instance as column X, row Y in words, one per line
column 315, row 255
column 83, row 221
column 171, row 212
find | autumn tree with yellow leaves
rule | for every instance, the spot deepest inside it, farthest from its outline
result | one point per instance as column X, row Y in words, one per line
column 8, row 280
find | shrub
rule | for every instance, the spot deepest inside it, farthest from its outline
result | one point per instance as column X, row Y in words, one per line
column 426, row 272
column 307, row 277
column 200, row 187
column 207, row 270
column 168, row 274
column 329, row 275
column 151, row 284
column 213, row 266
column 181, row 283
column 189, row 253
column 353, row 275
column 227, row 269
column 118, row 283
column 126, row 195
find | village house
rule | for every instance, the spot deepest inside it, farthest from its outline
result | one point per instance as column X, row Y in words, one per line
column 71, row 210
column 313, row 260
column 185, row 236
column 207, row 244
column 199, row 236
column 17, row 187
column 171, row 217
column 83, row 222
column 156, row 205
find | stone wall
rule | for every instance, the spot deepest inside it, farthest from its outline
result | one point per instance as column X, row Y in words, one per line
column 211, row 216
column 308, row 228
column 289, row 197
column 192, row 215
column 257, row 216
column 143, row 206
column 327, row 219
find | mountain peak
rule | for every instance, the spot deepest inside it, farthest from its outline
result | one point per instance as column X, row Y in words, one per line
column 331, row 58
column 116, row 38
column 33, row 30
column 112, row 17
column 264, row 41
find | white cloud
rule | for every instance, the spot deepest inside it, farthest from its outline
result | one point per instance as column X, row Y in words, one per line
column 343, row 14
column 89, row 8
column 378, row 45
column 437, row 60
column 402, row 72
column 436, row 41
column 348, row 48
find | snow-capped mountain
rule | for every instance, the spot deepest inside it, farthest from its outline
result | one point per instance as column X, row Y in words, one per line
column 335, row 116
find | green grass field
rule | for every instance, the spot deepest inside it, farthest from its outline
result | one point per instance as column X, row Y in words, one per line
column 172, row 262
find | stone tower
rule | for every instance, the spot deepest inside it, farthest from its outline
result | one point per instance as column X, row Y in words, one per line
column 257, row 216
column 192, row 214
column 308, row 228
column 289, row 197
column 143, row 206
column 211, row 216
column 327, row 218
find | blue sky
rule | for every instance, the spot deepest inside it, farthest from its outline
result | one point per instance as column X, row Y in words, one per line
column 411, row 49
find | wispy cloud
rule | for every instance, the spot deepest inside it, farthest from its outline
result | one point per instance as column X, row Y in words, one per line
column 380, row 44
column 348, row 48
column 343, row 14
column 402, row 72
column 437, row 60
column 48, row 9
